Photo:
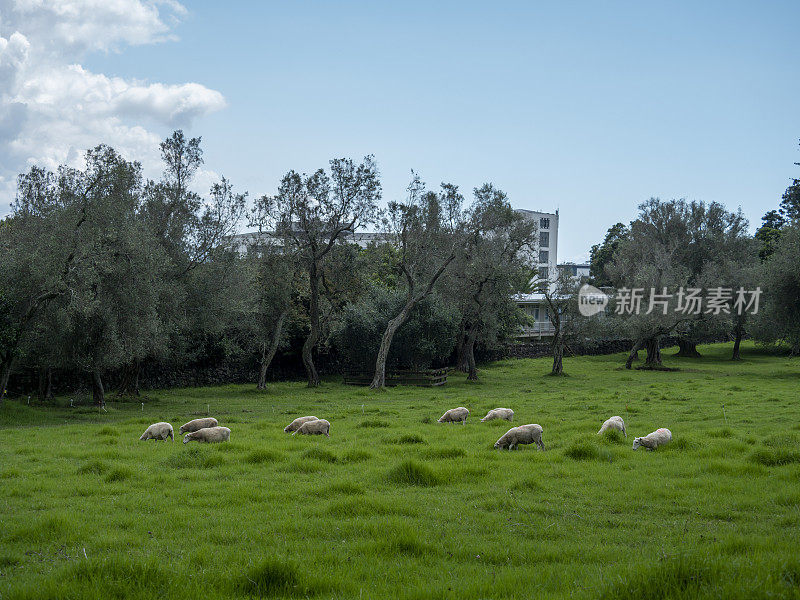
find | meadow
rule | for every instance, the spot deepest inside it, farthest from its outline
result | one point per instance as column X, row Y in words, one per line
column 396, row 505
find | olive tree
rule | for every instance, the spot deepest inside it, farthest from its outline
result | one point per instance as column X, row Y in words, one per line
column 428, row 229
column 310, row 214
column 489, row 272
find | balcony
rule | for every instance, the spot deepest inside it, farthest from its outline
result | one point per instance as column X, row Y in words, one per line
column 537, row 330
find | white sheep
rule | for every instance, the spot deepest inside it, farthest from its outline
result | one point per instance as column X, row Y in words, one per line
column 524, row 434
column 208, row 435
column 158, row 431
column 653, row 440
column 499, row 413
column 197, row 424
column 613, row 423
column 295, row 425
column 454, row 415
column 318, row 427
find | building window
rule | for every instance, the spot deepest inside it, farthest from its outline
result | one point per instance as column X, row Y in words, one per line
column 544, row 256
column 544, row 239
column 536, row 313
column 543, row 273
column 544, row 223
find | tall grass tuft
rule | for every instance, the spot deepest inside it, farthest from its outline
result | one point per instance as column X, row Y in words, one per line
column 671, row 578
column 612, row 436
column 373, row 423
column 775, row 457
column 270, row 578
column 257, row 457
column 582, row 450
column 410, row 472
column 320, row 454
column 411, row 438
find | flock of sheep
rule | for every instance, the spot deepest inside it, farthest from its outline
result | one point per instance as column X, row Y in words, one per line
column 532, row 433
column 201, row 430
column 208, row 430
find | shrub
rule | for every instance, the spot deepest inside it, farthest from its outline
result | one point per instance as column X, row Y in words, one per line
column 428, row 334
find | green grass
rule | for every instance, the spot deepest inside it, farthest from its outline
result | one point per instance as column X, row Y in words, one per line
column 396, row 505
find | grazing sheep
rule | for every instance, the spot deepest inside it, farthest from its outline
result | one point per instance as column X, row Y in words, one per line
column 318, row 427
column 295, row 425
column 197, row 424
column 524, row 434
column 208, row 435
column 653, row 440
column 499, row 413
column 454, row 415
column 158, row 431
column 613, row 423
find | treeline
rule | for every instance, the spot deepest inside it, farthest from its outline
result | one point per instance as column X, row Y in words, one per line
column 102, row 272
column 676, row 249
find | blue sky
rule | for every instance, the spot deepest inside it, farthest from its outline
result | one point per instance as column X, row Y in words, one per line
column 585, row 107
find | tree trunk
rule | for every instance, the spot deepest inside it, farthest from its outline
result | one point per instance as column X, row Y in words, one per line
column 462, row 363
column 739, row 334
column 653, row 358
column 98, row 392
column 5, row 373
column 470, row 353
column 634, row 353
column 45, row 383
column 129, row 385
column 379, row 380
column 267, row 354
column 313, row 335
column 687, row 349
column 558, row 350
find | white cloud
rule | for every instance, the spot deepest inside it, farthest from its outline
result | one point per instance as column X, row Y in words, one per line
column 52, row 109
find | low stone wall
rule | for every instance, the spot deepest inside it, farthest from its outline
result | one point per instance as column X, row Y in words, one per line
column 540, row 349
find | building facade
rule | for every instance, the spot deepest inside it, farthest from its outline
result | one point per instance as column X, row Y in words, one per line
column 546, row 252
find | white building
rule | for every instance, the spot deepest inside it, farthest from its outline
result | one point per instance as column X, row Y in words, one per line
column 579, row 272
column 547, row 250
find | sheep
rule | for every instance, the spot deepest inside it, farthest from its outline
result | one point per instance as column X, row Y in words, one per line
column 455, row 414
column 208, row 435
column 196, row 424
column 613, row 423
column 295, row 425
column 524, row 434
column 318, row 427
column 653, row 440
column 158, row 431
column 499, row 413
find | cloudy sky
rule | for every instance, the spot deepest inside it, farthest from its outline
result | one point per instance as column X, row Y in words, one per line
column 585, row 107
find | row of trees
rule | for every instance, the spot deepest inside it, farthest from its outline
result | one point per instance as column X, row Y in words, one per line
column 102, row 271
column 678, row 245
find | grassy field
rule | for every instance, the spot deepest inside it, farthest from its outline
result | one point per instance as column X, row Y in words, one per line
column 396, row 505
